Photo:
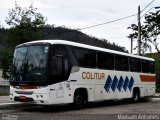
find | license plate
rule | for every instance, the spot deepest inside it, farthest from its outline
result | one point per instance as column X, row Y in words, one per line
column 22, row 97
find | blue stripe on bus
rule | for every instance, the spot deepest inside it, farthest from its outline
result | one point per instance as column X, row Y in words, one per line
column 130, row 86
column 126, row 84
column 108, row 83
column 119, row 84
column 114, row 83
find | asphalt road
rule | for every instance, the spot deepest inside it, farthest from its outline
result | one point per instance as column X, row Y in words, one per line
column 108, row 110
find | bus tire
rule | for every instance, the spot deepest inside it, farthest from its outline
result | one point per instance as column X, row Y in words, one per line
column 136, row 95
column 79, row 100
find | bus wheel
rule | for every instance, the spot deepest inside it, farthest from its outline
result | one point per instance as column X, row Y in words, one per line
column 79, row 101
column 136, row 95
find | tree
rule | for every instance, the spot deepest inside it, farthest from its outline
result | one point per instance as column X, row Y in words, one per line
column 26, row 24
column 5, row 62
column 150, row 30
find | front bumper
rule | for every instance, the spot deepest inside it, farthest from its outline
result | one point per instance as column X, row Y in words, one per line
column 37, row 96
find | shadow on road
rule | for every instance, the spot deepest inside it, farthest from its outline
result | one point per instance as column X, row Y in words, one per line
column 69, row 107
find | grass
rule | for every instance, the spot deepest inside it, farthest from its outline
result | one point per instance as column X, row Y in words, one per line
column 157, row 90
column 4, row 94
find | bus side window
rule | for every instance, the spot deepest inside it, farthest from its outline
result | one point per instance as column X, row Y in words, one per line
column 56, row 65
column 145, row 66
column 105, row 61
column 135, row 65
column 121, row 63
column 60, row 65
column 151, row 67
column 85, row 57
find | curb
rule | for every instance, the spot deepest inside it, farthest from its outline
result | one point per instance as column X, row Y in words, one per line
column 157, row 95
column 155, row 99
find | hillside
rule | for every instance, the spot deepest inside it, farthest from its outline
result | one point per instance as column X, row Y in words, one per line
column 2, row 37
column 51, row 32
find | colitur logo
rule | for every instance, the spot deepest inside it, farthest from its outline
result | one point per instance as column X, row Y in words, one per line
column 93, row 76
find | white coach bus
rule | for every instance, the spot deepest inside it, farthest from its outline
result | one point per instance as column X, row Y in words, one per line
column 57, row 71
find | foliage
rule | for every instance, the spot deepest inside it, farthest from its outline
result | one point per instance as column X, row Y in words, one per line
column 157, row 90
column 25, row 25
column 150, row 30
column 5, row 62
column 3, row 32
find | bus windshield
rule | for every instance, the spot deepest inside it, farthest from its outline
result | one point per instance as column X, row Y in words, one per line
column 30, row 64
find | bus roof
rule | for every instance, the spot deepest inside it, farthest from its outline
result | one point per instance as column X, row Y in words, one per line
column 65, row 42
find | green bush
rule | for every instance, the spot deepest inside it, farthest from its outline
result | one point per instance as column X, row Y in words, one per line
column 5, row 62
column 157, row 90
